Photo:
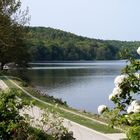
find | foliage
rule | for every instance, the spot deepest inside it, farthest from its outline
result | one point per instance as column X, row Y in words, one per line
column 11, row 123
column 125, row 95
column 12, row 35
column 134, row 133
column 48, row 44
column 15, row 126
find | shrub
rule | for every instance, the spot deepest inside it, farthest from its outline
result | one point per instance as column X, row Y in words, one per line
column 11, row 123
column 15, row 126
column 126, row 112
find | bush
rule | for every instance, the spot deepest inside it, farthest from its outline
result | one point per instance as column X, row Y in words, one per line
column 17, row 127
column 126, row 113
column 11, row 123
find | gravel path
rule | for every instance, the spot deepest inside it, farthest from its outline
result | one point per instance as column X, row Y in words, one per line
column 79, row 132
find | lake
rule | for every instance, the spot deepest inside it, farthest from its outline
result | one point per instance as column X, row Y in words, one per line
column 83, row 85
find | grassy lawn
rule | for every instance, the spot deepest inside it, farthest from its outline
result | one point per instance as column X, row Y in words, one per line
column 66, row 114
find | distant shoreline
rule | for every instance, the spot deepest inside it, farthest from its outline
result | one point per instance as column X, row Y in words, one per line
column 80, row 61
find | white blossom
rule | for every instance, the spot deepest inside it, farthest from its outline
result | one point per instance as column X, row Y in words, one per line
column 102, row 108
column 136, row 109
column 111, row 96
column 117, row 91
column 137, row 75
column 135, row 103
column 138, row 50
column 128, row 118
column 130, row 109
column 119, row 79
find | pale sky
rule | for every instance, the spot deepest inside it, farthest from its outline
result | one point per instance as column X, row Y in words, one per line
column 100, row 19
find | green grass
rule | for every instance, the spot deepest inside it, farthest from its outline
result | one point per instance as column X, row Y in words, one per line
column 86, row 122
column 73, row 117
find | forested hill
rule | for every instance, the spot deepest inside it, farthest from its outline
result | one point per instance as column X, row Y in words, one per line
column 48, row 44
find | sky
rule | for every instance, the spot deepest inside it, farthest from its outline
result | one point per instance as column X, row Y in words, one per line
column 100, row 19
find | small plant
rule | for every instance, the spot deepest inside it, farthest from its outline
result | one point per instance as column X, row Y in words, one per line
column 48, row 122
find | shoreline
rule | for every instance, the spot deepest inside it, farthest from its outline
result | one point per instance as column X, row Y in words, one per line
column 88, row 120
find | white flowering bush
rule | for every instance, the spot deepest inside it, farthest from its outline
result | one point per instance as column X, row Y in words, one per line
column 125, row 96
column 138, row 50
column 116, row 92
column 134, row 107
column 119, row 80
column 102, row 108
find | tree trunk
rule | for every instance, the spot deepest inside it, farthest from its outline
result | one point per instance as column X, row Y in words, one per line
column 1, row 67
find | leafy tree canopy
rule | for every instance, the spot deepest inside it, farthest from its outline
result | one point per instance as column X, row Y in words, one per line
column 53, row 44
column 12, row 35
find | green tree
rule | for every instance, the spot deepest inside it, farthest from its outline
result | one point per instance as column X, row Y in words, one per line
column 67, row 46
column 56, row 52
column 12, row 33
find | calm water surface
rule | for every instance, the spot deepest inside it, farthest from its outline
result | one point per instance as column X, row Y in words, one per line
column 83, row 85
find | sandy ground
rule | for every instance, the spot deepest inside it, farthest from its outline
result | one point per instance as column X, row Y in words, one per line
column 3, row 86
column 79, row 132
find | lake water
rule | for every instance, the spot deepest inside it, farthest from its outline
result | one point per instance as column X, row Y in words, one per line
column 83, row 85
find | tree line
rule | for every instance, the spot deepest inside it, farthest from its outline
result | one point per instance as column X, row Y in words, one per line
column 48, row 44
